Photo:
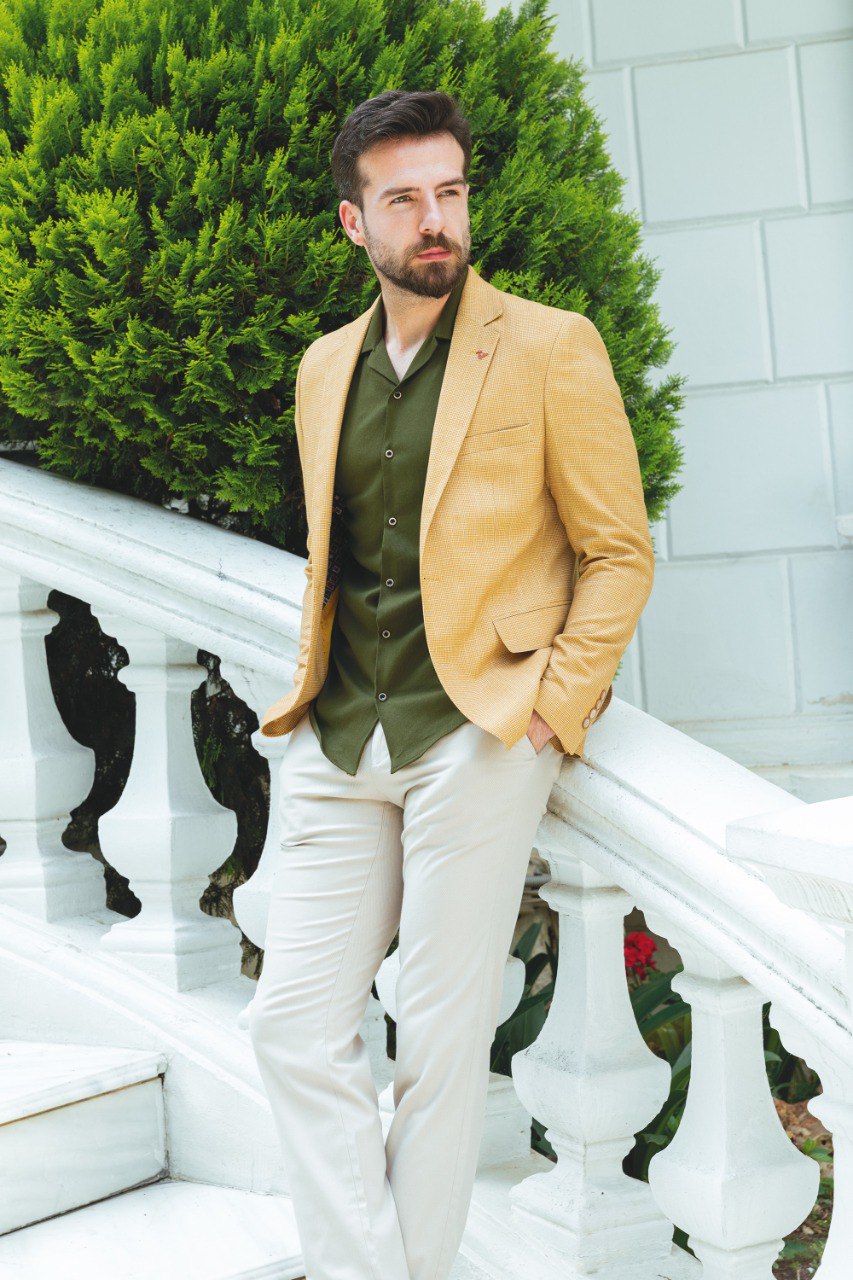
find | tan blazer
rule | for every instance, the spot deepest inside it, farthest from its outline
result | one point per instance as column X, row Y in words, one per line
column 535, row 554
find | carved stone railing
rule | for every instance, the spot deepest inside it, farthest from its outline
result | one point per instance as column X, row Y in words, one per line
column 164, row 586
column 752, row 887
column 653, row 818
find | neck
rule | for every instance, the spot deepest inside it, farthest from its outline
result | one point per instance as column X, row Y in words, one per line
column 409, row 317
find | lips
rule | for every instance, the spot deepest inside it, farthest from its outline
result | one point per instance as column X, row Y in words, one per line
column 435, row 253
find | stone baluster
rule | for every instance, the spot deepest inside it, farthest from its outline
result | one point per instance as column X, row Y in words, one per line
column 591, row 1078
column 44, row 773
column 167, row 833
column 730, row 1178
column 251, row 899
column 806, row 856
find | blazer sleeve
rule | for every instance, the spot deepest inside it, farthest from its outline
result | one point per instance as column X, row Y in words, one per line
column 593, row 473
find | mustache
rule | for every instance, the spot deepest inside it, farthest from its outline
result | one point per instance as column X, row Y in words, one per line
column 439, row 244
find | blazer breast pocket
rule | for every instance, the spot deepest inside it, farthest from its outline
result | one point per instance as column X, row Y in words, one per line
column 497, row 438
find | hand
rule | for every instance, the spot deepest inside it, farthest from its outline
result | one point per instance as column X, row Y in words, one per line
column 539, row 731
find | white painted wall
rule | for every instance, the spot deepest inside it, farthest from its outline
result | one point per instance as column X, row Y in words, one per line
column 732, row 121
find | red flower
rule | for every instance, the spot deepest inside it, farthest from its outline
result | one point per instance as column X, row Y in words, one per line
column 639, row 949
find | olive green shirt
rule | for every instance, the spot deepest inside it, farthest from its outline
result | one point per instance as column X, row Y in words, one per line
column 379, row 664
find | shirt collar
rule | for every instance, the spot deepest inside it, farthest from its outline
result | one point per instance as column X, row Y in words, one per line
column 443, row 326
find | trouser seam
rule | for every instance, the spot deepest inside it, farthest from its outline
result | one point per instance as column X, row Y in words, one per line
column 467, row 1118
column 361, row 1202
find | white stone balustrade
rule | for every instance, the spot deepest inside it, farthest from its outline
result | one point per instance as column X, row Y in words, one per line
column 648, row 810
column 164, row 586
column 751, row 885
column 806, row 856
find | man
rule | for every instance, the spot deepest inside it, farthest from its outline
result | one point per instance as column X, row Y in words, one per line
column 479, row 554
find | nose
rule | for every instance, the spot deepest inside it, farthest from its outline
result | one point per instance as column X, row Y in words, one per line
column 432, row 220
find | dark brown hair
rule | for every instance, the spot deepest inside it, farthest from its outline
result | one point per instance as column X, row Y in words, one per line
column 397, row 113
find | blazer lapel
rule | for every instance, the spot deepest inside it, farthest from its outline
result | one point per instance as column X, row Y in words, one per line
column 476, row 333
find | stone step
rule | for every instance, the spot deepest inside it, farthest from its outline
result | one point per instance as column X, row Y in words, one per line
column 77, row 1123
column 168, row 1230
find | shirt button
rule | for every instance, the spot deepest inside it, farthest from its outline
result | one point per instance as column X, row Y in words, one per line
column 389, row 453
column 389, row 582
column 398, row 395
column 386, row 634
column 382, row 697
column 392, row 519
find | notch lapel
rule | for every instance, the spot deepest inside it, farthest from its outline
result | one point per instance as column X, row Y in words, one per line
column 476, row 333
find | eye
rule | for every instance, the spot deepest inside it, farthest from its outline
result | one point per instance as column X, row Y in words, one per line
column 453, row 192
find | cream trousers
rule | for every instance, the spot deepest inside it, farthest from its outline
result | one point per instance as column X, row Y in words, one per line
column 440, row 850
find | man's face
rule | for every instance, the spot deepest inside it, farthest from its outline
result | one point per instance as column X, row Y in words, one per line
column 415, row 199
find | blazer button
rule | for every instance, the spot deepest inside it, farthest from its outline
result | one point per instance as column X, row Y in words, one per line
column 398, row 395
column 382, row 697
column 586, row 722
column 593, row 713
column 386, row 634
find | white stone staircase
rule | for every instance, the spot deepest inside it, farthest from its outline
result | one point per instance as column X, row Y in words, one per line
column 85, row 1192
column 84, row 1185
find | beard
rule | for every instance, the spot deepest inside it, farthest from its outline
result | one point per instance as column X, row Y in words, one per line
column 426, row 279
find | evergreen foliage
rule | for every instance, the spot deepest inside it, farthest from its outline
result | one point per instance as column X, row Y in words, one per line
column 170, row 244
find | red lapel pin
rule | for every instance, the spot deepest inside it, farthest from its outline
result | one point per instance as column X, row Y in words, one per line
column 481, row 355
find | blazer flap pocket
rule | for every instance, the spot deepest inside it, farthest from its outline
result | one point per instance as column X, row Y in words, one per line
column 534, row 628
column 498, row 437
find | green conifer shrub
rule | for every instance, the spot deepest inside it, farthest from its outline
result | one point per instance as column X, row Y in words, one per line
column 169, row 237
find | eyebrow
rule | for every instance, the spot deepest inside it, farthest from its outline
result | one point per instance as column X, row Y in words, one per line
column 401, row 191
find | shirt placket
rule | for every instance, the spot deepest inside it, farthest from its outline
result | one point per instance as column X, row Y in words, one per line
column 392, row 551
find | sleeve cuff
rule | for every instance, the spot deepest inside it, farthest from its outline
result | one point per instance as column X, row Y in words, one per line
column 552, row 707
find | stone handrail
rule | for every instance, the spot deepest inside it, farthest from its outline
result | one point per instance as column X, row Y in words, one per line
column 190, row 578
column 736, row 873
